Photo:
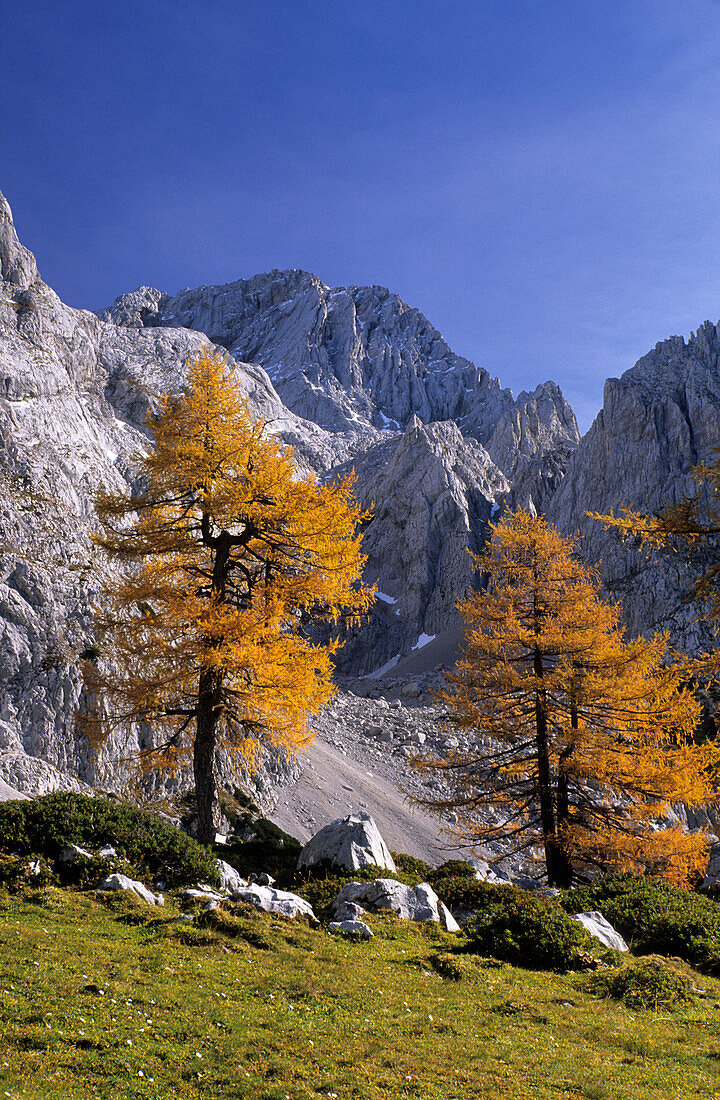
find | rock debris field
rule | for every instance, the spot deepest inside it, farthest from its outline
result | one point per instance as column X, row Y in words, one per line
column 361, row 759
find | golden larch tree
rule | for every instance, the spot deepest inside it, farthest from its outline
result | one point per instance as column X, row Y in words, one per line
column 227, row 550
column 581, row 739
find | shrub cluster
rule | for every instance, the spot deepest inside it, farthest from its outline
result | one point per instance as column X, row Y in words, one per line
column 44, row 826
column 265, row 848
column 649, row 983
column 528, row 931
column 655, row 917
column 462, row 892
column 411, row 866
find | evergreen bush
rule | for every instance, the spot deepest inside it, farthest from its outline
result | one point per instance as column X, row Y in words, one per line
column 44, row 826
column 655, row 917
column 528, row 931
column 648, row 983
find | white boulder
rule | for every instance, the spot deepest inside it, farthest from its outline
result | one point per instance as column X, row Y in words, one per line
column 353, row 842
column 274, row 901
column 230, row 879
column 602, row 930
column 122, row 882
column 71, row 853
column 419, row 904
column 351, row 928
column 202, row 893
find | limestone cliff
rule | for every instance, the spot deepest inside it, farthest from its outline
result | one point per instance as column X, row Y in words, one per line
column 658, row 420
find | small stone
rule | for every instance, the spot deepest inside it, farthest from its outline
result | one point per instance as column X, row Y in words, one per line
column 351, row 928
column 122, row 882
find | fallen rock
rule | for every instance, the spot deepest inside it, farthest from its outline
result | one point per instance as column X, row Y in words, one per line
column 351, row 928
column 71, row 853
column 353, row 842
column 202, row 893
column 122, row 882
column 230, row 879
column 602, row 930
column 348, row 911
column 419, row 904
column 274, row 901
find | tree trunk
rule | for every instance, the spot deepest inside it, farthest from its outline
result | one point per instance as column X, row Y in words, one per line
column 563, row 865
column 208, row 713
column 565, row 869
column 206, row 796
column 554, row 860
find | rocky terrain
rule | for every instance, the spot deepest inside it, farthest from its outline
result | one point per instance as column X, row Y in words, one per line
column 350, row 377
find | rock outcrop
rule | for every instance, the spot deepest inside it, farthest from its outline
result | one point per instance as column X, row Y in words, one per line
column 432, row 493
column 658, row 420
column 419, row 903
column 351, row 842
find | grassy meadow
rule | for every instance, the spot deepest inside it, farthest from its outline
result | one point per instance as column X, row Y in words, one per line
column 115, row 1000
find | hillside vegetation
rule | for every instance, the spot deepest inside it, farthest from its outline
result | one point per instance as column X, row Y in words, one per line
column 107, row 997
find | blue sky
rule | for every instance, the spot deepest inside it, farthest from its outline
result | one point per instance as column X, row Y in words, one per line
column 540, row 177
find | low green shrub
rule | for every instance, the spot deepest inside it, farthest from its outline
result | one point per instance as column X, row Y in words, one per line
column 266, row 848
column 648, row 983
column 528, row 931
column 88, row 873
column 452, row 868
column 44, row 826
column 461, row 892
column 414, row 868
column 655, row 917
column 15, row 872
column 239, row 924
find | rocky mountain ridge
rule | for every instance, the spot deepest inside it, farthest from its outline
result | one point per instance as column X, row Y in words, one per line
column 658, row 421
column 351, row 377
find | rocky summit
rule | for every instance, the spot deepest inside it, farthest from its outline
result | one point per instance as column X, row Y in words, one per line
column 351, row 377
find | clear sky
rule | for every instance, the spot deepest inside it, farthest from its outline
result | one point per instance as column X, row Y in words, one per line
column 540, row 177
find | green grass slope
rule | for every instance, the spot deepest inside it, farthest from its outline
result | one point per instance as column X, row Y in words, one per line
column 115, row 1000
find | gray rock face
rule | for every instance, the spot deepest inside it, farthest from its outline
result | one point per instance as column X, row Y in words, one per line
column 349, row 358
column 658, row 420
column 17, row 265
column 10, row 794
column 352, row 842
column 432, row 493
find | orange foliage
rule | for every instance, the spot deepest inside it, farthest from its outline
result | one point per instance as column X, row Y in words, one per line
column 582, row 739
column 229, row 549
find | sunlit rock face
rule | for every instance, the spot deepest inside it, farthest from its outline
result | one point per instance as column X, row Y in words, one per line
column 658, row 420
column 351, row 377
column 349, row 358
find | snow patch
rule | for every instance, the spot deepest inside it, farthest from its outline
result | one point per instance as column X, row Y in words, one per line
column 385, row 598
column 423, row 640
column 385, row 668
